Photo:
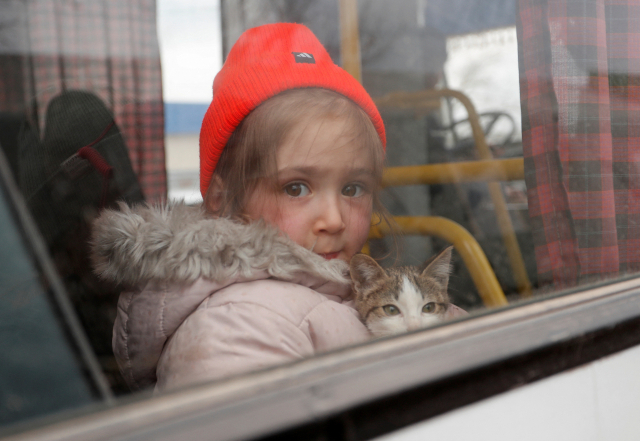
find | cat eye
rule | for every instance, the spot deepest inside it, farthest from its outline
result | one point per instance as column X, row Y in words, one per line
column 391, row 310
column 429, row 308
column 296, row 189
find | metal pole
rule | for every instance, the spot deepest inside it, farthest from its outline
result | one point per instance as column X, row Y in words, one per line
column 350, row 39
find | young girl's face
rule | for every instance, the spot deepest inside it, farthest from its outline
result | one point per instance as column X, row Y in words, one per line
column 323, row 198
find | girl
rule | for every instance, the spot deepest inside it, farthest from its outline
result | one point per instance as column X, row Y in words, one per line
column 291, row 157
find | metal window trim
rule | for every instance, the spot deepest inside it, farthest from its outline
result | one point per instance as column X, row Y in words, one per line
column 34, row 241
column 276, row 399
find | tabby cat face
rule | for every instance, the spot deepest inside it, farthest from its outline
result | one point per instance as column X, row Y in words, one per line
column 402, row 299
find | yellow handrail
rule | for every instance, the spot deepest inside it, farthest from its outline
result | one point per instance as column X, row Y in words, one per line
column 424, row 99
column 471, row 252
column 455, row 172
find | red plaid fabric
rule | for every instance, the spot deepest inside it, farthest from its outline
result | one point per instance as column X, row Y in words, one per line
column 109, row 48
column 580, row 93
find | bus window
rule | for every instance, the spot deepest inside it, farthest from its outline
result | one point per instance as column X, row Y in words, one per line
column 509, row 130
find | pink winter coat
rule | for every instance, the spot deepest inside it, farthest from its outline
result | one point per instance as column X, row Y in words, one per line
column 209, row 298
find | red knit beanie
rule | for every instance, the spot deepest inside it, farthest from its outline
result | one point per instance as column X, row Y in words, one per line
column 265, row 61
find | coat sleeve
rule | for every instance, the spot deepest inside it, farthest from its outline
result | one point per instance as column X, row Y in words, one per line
column 227, row 340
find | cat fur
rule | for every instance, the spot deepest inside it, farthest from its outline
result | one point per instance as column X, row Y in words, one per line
column 406, row 288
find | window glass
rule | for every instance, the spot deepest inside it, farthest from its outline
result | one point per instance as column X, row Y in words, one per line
column 40, row 373
column 511, row 129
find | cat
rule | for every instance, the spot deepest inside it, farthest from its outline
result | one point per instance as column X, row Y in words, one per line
column 401, row 299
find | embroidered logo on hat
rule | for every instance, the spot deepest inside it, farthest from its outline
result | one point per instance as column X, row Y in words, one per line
column 303, row 57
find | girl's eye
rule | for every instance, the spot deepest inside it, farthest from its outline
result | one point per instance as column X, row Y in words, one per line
column 391, row 310
column 352, row 190
column 429, row 308
column 296, row 190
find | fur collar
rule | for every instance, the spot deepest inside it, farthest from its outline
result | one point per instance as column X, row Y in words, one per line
column 180, row 243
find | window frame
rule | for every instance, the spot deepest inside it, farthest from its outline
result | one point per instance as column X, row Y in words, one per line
column 460, row 360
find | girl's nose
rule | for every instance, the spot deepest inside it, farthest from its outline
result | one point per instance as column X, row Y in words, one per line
column 330, row 218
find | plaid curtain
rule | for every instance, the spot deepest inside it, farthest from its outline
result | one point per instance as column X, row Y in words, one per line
column 580, row 93
column 108, row 47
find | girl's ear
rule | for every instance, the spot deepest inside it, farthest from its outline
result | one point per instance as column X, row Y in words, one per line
column 215, row 195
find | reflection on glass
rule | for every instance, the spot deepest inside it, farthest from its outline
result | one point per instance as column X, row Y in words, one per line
column 39, row 371
column 507, row 131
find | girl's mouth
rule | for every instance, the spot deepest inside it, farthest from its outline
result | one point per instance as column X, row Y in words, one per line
column 329, row 256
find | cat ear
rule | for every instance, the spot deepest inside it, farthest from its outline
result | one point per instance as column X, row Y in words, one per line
column 365, row 272
column 439, row 268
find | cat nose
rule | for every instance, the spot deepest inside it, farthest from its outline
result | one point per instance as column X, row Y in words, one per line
column 413, row 325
